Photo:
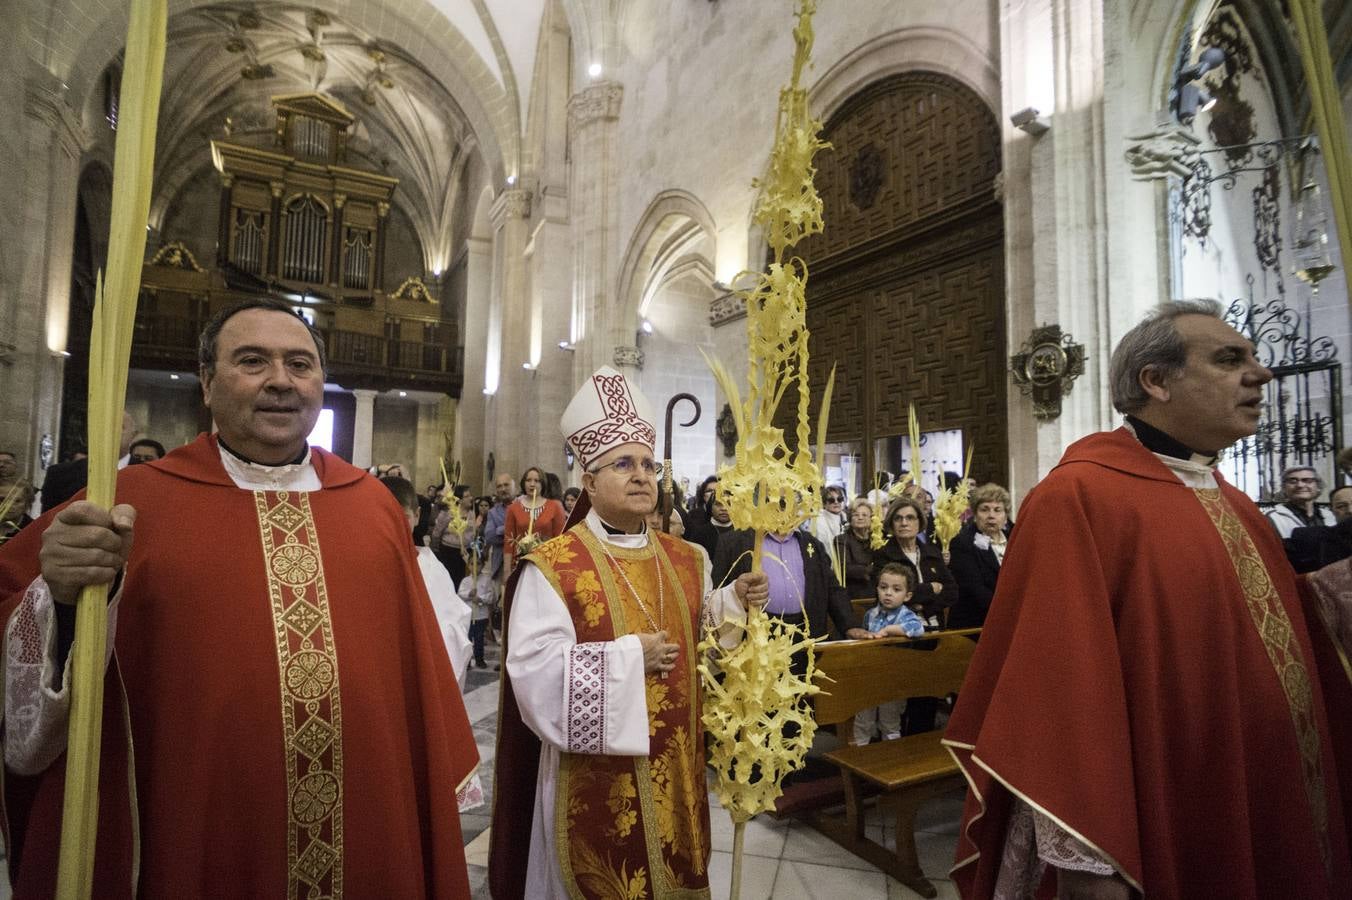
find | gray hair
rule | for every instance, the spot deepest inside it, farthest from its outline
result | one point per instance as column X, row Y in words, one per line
column 206, row 342
column 1155, row 341
column 1290, row 470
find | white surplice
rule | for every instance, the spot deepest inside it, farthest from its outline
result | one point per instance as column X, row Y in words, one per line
column 452, row 612
column 545, row 660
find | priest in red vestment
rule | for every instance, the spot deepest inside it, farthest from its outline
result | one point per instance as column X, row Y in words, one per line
column 1148, row 712
column 280, row 716
column 600, row 789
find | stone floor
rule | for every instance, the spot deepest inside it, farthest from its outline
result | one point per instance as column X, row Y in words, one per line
column 784, row 860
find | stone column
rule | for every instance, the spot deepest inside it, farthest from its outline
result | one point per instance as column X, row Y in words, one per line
column 35, row 301
column 363, row 424
column 593, row 124
column 470, row 422
column 514, row 421
column 1056, row 209
column 549, row 258
column 434, row 418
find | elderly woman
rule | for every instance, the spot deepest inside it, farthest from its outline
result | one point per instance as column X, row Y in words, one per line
column 976, row 555
column 936, row 589
column 852, row 547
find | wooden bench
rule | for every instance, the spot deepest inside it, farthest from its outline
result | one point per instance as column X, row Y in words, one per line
column 908, row 771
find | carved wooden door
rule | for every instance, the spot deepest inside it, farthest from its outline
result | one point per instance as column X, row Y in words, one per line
column 906, row 286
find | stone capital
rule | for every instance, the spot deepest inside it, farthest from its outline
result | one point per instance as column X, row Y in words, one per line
column 628, row 357
column 339, row 200
column 598, row 101
column 1159, row 154
column 511, row 204
column 277, row 188
column 727, row 308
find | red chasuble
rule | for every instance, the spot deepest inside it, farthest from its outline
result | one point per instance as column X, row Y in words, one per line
column 296, row 728
column 1147, row 679
column 625, row 826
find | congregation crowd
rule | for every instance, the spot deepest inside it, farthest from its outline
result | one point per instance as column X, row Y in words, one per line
column 1131, row 549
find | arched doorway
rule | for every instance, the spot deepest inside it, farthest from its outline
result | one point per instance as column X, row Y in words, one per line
column 906, row 291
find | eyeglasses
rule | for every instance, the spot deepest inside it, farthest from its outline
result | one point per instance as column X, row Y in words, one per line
column 1298, row 480
column 901, row 517
column 627, row 465
column 835, row 499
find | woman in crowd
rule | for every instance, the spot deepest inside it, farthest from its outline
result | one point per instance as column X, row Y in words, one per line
column 935, row 588
column 829, row 522
column 570, row 499
column 698, row 515
column 531, row 518
column 446, row 543
column 852, row 548
column 976, row 555
column 553, row 488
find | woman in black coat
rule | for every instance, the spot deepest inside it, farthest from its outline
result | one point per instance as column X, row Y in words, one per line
column 936, row 589
column 976, row 555
column 852, row 548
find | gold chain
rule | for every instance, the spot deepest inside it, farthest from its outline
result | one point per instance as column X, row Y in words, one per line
column 661, row 592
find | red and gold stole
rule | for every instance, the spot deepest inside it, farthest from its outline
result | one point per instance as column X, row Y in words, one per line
column 312, row 717
column 630, row 827
column 1283, row 649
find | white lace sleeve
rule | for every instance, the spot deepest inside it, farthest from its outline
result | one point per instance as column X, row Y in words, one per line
column 1033, row 842
column 1057, row 847
column 37, row 703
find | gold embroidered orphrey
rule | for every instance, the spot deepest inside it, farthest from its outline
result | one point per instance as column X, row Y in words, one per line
column 312, row 721
column 1283, row 649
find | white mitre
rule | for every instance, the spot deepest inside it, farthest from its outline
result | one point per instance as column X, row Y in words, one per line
column 605, row 413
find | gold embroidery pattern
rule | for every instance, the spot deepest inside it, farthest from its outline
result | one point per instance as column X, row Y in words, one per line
column 676, row 792
column 621, row 805
column 554, row 552
column 614, row 814
column 311, row 712
column 587, row 589
column 1274, row 627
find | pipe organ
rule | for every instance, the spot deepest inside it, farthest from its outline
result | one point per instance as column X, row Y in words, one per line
column 297, row 222
column 295, row 215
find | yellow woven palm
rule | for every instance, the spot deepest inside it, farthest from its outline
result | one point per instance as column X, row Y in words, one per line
column 758, row 715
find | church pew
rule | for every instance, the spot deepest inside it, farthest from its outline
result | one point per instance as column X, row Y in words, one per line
column 906, row 772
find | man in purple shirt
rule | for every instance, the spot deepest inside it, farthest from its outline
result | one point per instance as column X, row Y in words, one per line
column 802, row 585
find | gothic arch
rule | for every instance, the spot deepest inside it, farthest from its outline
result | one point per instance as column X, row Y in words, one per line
column 920, row 49
column 675, row 236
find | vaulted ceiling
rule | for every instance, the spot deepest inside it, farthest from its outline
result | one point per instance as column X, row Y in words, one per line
column 227, row 61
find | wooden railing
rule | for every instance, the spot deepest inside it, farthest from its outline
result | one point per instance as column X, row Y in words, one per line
column 170, row 341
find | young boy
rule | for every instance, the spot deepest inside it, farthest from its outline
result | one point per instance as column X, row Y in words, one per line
column 452, row 614
column 889, row 617
column 477, row 590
